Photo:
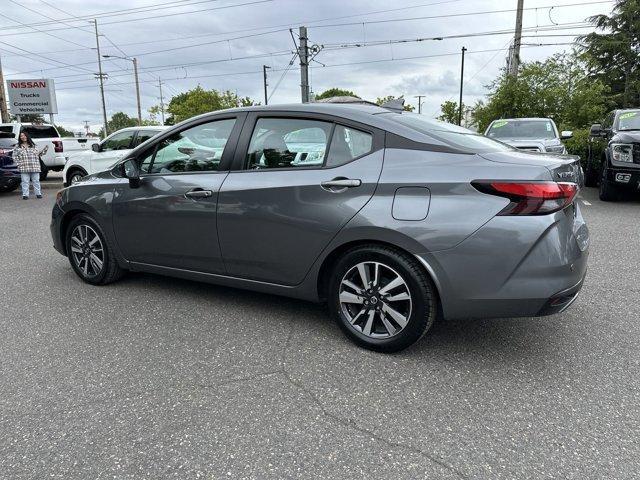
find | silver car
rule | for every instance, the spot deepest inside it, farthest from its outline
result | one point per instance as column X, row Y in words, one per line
column 529, row 134
column 391, row 218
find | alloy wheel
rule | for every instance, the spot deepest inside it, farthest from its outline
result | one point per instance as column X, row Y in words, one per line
column 375, row 299
column 75, row 178
column 87, row 250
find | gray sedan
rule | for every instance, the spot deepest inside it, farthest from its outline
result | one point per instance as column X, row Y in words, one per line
column 389, row 217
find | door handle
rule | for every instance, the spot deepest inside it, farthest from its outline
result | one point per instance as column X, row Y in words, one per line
column 341, row 183
column 198, row 193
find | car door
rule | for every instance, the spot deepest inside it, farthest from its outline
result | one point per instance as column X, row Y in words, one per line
column 112, row 149
column 297, row 180
column 170, row 219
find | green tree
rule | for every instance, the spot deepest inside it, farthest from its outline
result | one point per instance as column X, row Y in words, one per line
column 198, row 100
column 64, row 132
column 558, row 88
column 336, row 92
column 28, row 118
column 119, row 120
column 381, row 100
column 613, row 57
column 449, row 111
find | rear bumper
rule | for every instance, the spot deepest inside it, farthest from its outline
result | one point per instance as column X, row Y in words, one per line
column 514, row 267
column 10, row 180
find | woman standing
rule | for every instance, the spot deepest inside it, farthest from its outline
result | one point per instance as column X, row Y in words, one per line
column 27, row 158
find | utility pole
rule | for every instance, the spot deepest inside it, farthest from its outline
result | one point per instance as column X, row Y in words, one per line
column 4, row 114
column 515, row 52
column 464, row 49
column 161, row 101
column 264, row 76
column 101, row 78
column 86, row 127
column 303, row 53
column 135, row 73
column 419, row 97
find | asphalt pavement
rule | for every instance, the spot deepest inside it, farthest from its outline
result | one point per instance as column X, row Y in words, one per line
column 155, row 377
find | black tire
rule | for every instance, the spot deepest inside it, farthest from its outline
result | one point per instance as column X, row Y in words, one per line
column 607, row 191
column 74, row 172
column 7, row 189
column 422, row 304
column 44, row 171
column 110, row 271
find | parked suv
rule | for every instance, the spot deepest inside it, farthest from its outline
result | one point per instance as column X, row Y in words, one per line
column 614, row 154
column 106, row 153
column 388, row 216
column 42, row 135
column 529, row 134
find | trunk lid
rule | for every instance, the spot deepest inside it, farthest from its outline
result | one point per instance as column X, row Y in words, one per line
column 563, row 168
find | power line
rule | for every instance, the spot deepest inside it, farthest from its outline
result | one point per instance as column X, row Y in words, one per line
column 160, row 16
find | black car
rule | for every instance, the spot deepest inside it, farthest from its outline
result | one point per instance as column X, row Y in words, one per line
column 614, row 156
column 9, row 175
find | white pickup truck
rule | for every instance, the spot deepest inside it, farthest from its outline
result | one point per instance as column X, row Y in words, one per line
column 42, row 135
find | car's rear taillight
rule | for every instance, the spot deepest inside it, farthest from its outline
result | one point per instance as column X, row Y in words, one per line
column 530, row 198
column 57, row 146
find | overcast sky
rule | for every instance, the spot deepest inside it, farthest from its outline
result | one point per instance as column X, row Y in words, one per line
column 430, row 68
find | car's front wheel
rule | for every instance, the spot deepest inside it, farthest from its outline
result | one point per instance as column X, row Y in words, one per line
column 607, row 192
column 382, row 298
column 90, row 254
column 75, row 175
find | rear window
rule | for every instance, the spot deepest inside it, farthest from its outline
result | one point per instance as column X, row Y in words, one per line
column 6, row 131
column 452, row 135
column 40, row 131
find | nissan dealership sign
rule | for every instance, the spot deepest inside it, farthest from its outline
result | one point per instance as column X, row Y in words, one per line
column 31, row 96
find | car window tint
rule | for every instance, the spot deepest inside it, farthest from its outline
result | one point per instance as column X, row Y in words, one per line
column 118, row 141
column 348, row 144
column 196, row 149
column 40, row 131
column 144, row 135
column 288, row 142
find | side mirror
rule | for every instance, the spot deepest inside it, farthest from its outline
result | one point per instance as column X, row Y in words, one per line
column 566, row 134
column 596, row 130
column 95, row 147
column 132, row 172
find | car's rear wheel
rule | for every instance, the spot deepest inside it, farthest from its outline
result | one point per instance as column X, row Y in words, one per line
column 90, row 254
column 607, row 191
column 75, row 175
column 381, row 298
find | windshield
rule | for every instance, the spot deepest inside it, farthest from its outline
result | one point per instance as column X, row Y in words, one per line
column 629, row 120
column 522, row 129
column 452, row 135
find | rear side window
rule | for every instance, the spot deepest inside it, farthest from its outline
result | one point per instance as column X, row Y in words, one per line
column 40, row 131
column 347, row 144
column 452, row 135
column 287, row 143
column 6, row 131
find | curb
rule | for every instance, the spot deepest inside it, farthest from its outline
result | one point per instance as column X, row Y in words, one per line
column 51, row 185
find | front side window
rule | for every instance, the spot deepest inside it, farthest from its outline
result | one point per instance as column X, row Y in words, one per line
column 196, row 149
column 117, row 141
column 288, row 143
column 144, row 135
column 348, row 144
column 522, row 129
